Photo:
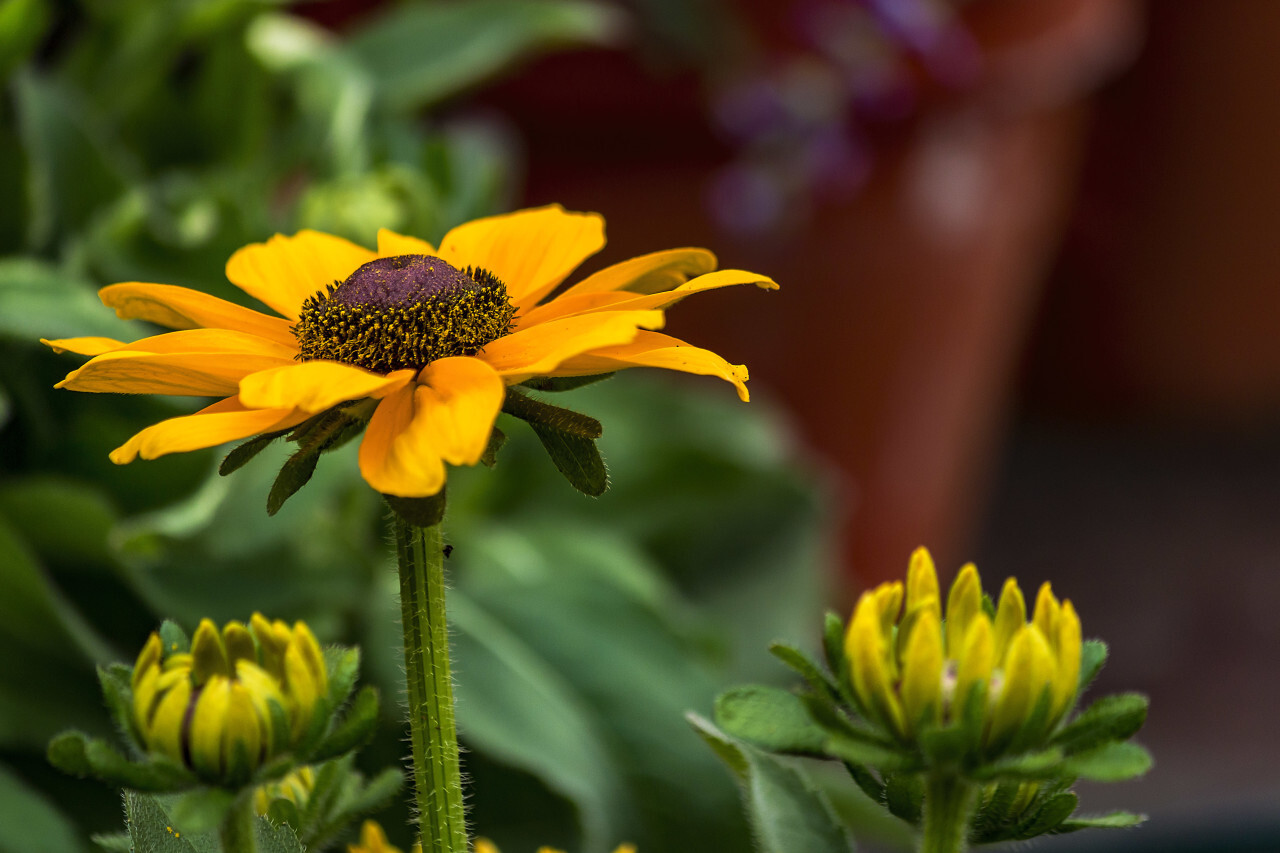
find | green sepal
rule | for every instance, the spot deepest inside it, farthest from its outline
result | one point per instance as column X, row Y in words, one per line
column 117, row 691
column 75, row 753
column 870, row 751
column 239, row 769
column 973, row 716
column 173, row 638
column 284, row 810
column 1115, row 717
column 242, row 453
column 342, row 664
column 569, row 439
column 995, row 814
column 866, row 780
column 1093, row 654
column 1050, row 814
column 769, row 717
column 1114, row 820
column 317, row 727
column 294, row 474
column 419, row 512
column 340, row 797
column 1111, row 762
column 564, row 383
column 833, row 641
column 281, row 729
column 355, row 729
column 1030, row 766
column 807, row 668
column 497, row 439
column 904, row 796
column 112, row 842
column 202, row 810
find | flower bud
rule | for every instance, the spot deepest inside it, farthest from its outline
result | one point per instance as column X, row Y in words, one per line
column 915, row 670
column 239, row 697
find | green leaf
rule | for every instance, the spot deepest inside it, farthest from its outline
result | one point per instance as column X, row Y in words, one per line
column 152, row 829
column 1114, row 820
column 770, row 718
column 787, row 813
column 34, row 613
column 40, row 300
column 1115, row 717
column 1093, row 654
column 419, row 54
column 67, row 522
column 276, row 839
column 22, row 25
column 30, row 822
column 73, row 167
column 73, row 752
column 1112, row 762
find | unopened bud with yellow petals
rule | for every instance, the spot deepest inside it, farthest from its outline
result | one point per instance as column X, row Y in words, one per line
column 239, row 697
column 917, row 669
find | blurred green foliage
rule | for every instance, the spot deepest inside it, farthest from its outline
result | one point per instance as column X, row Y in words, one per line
column 145, row 140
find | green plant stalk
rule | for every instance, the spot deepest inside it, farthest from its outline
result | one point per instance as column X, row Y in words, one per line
column 437, row 778
column 237, row 830
column 948, row 806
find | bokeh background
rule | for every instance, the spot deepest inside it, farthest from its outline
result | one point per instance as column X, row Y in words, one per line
column 1029, row 317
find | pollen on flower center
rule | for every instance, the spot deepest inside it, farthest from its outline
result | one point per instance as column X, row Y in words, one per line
column 404, row 311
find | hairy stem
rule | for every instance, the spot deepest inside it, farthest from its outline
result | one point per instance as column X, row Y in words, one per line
column 437, row 778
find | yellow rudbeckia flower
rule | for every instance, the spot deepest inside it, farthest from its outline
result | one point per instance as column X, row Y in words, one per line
column 425, row 337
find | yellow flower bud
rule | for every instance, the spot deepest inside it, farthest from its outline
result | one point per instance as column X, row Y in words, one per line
column 215, row 709
column 374, row 840
column 296, row 787
column 925, row 675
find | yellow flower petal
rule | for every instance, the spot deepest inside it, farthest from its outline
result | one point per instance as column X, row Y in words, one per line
column 372, row 840
column 243, row 726
column 314, row 386
column 284, row 271
column 391, row 244
column 1047, row 613
column 83, row 346
column 208, row 726
column 531, row 251
column 1028, row 673
column 187, row 374
column 922, row 672
column 651, row 273
column 922, row 581
column 1068, row 649
column 653, row 349
column 1011, row 615
column 484, row 845
column 866, row 648
column 580, row 303
column 539, row 350
column 455, row 405
column 392, row 466
column 977, row 660
column 964, row 603
column 224, row 421
column 183, row 308
column 208, row 654
column 165, row 732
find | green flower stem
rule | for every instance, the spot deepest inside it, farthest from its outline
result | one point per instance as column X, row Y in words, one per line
column 948, row 805
column 237, row 832
column 437, row 778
